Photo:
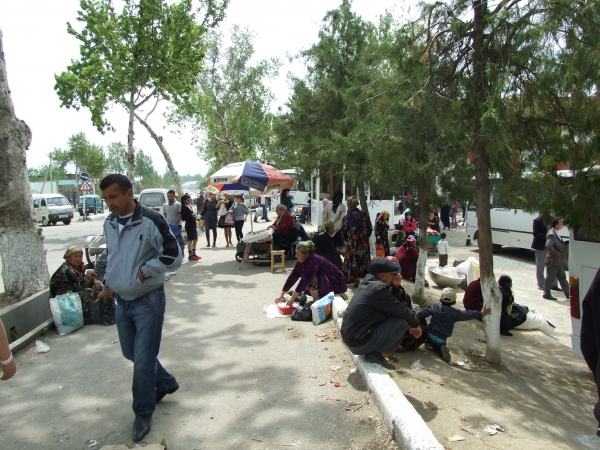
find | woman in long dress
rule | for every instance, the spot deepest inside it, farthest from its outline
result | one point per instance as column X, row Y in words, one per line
column 209, row 214
column 356, row 229
column 382, row 242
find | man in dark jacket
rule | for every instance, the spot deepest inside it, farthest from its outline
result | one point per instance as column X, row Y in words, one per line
column 376, row 319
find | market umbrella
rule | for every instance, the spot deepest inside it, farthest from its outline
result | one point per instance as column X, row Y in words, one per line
column 210, row 189
column 254, row 178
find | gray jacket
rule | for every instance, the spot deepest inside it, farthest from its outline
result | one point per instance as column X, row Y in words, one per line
column 558, row 252
column 146, row 244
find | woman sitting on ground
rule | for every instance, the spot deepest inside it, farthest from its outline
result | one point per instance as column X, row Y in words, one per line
column 72, row 276
column 285, row 228
column 318, row 277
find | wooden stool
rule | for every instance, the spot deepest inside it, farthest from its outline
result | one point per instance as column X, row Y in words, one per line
column 280, row 265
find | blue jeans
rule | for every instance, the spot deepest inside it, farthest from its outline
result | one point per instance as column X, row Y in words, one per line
column 305, row 213
column 139, row 323
column 264, row 213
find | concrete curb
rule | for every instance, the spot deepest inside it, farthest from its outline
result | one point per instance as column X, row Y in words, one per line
column 93, row 217
column 27, row 316
column 404, row 423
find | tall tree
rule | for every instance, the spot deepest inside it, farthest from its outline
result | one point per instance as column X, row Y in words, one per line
column 24, row 269
column 147, row 175
column 229, row 108
column 150, row 51
column 85, row 156
column 116, row 158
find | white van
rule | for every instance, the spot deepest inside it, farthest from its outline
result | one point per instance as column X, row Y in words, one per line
column 52, row 208
column 154, row 198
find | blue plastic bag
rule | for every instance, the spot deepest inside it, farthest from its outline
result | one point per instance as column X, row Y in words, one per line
column 67, row 312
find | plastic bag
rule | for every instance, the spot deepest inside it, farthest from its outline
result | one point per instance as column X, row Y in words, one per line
column 536, row 321
column 321, row 309
column 417, row 365
column 470, row 268
column 67, row 312
column 304, row 313
column 450, row 272
column 41, row 347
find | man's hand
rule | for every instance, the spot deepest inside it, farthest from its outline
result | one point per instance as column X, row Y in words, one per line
column 104, row 295
column 397, row 280
column 9, row 370
column 97, row 285
column 140, row 276
column 416, row 332
column 485, row 311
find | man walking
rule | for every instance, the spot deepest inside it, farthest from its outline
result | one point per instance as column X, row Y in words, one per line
column 259, row 202
column 141, row 249
column 172, row 212
column 539, row 246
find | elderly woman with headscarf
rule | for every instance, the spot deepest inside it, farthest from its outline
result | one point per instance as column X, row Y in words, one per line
column 335, row 211
column 317, row 276
column 328, row 244
column 356, row 229
column 285, row 228
column 72, row 276
column 382, row 225
column 407, row 256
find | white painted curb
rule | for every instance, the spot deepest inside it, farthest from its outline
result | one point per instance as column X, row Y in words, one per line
column 404, row 423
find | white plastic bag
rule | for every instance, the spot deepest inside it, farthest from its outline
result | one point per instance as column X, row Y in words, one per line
column 417, row 365
column 536, row 321
column 67, row 312
column 41, row 347
column 321, row 309
column 469, row 269
column 450, row 272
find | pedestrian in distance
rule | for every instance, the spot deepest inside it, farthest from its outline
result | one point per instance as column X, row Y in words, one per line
column 189, row 219
column 376, row 320
column 263, row 204
column 539, row 246
column 223, row 222
column 240, row 215
column 556, row 257
column 141, row 250
column 209, row 213
column 172, row 212
column 443, row 318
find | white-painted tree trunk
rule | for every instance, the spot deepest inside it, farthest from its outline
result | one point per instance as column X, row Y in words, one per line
column 24, row 269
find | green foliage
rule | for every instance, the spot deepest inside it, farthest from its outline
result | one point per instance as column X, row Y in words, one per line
column 41, row 173
column 116, row 158
column 146, row 175
column 228, row 110
column 82, row 154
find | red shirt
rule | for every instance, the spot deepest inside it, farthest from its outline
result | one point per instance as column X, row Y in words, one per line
column 409, row 227
column 287, row 222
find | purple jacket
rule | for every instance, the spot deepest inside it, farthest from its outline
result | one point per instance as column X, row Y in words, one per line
column 331, row 279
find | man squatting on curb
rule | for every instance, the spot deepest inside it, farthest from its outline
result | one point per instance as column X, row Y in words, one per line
column 376, row 320
column 141, row 249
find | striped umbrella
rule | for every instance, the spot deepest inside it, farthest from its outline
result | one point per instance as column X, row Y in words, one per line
column 241, row 177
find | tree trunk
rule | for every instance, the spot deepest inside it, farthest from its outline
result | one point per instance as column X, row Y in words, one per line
column 130, row 151
column 170, row 165
column 24, row 269
column 362, row 197
column 422, row 211
column 491, row 293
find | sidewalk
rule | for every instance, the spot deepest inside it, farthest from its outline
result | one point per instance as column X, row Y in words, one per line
column 246, row 381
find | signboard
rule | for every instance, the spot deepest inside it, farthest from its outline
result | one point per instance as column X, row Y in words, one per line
column 84, row 177
column 85, row 186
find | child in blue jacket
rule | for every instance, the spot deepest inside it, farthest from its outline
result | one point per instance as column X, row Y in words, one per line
column 443, row 318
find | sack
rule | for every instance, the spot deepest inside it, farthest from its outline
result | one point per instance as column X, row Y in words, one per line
column 229, row 218
column 536, row 321
column 222, row 210
column 67, row 312
column 303, row 313
column 379, row 250
column 321, row 309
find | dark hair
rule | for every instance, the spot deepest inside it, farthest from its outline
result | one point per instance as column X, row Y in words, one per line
column 184, row 197
column 409, row 214
column 555, row 222
column 116, row 178
column 443, row 235
column 505, row 281
column 241, row 197
column 171, row 191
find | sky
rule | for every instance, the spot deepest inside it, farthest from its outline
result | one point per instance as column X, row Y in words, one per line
column 37, row 46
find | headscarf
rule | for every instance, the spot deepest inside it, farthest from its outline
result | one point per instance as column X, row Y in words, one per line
column 323, row 228
column 71, row 250
column 326, row 202
column 354, row 215
column 280, row 206
column 383, row 213
column 307, row 247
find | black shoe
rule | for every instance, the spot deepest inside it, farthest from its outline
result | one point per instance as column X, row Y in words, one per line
column 161, row 394
column 426, row 283
column 549, row 297
column 541, row 288
column 208, row 245
column 214, row 245
column 445, row 353
column 556, row 288
column 506, row 333
column 267, row 220
column 141, row 427
column 377, row 358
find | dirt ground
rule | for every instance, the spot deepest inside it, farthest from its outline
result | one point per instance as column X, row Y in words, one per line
column 541, row 394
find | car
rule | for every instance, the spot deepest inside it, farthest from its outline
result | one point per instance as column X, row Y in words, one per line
column 93, row 203
column 52, row 208
column 154, row 198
